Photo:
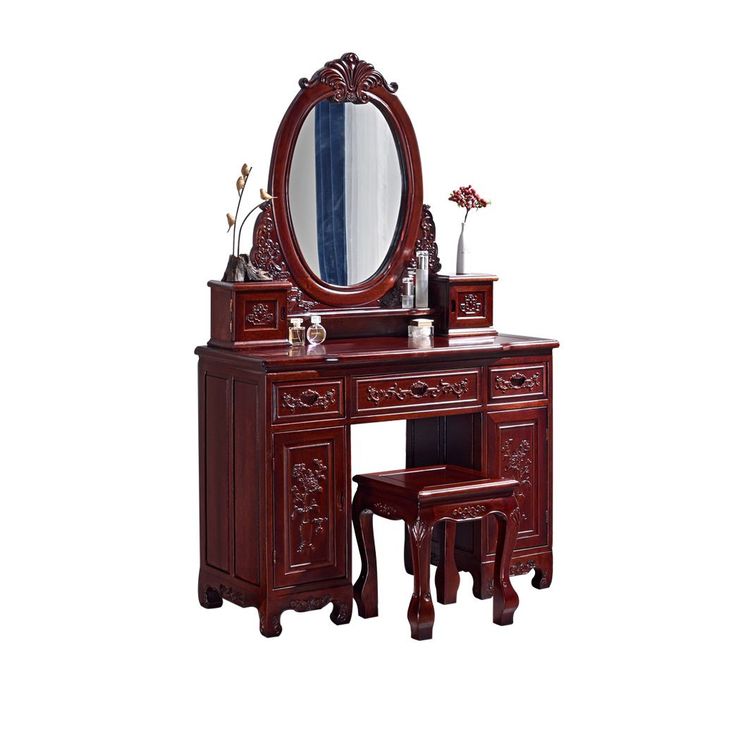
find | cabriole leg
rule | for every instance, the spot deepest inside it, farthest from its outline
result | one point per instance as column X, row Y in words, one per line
column 209, row 597
column 421, row 610
column 505, row 599
column 447, row 578
column 365, row 590
column 270, row 620
column 543, row 572
column 342, row 611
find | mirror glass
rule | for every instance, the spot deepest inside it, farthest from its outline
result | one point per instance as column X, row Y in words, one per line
column 345, row 188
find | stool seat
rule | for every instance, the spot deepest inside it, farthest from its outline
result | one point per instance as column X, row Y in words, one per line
column 422, row 497
column 435, row 483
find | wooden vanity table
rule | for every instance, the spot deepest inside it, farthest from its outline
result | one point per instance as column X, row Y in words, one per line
column 275, row 421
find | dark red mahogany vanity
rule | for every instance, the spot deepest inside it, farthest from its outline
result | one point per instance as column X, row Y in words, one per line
column 275, row 421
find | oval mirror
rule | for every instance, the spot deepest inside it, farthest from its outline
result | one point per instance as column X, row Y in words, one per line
column 345, row 191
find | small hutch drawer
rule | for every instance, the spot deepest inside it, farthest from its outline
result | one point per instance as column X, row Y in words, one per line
column 376, row 394
column 518, row 380
column 308, row 399
column 465, row 303
column 244, row 312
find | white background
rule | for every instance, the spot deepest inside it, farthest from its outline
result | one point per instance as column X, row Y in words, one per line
column 604, row 134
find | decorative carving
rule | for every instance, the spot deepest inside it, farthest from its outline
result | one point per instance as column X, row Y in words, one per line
column 419, row 530
column 522, row 567
column 471, row 305
column 350, row 79
column 234, row 596
column 305, row 498
column 341, row 612
column 469, row 512
column 418, row 390
column 426, row 241
column 266, row 252
column 308, row 399
column 385, row 509
column 270, row 623
column 518, row 464
column 296, row 303
column 309, row 604
column 519, row 380
column 260, row 314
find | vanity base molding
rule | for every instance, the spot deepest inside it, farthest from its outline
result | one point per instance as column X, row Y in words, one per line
column 213, row 588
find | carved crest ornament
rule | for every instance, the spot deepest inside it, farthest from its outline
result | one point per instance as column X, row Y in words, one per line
column 350, row 79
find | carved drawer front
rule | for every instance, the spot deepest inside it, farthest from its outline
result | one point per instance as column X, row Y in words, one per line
column 308, row 400
column 311, row 506
column 510, row 382
column 470, row 306
column 379, row 394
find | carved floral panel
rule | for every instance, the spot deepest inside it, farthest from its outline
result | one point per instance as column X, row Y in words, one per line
column 310, row 505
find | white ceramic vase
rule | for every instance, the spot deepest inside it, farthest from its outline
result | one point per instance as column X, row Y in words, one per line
column 461, row 265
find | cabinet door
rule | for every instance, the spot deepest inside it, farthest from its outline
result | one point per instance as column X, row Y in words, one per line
column 517, row 446
column 311, row 506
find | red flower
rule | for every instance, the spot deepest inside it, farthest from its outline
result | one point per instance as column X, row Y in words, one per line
column 468, row 199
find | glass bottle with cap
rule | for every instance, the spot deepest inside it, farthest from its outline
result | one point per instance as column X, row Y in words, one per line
column 316, row 332
column 421, row 292
column 407, row 292
column 296, row 332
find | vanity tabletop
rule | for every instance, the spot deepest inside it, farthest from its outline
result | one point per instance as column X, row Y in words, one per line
column 371, row 350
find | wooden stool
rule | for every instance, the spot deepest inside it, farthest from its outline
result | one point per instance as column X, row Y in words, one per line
column 422, row 497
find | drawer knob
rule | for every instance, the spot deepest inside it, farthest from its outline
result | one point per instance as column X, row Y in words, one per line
column 518, row 380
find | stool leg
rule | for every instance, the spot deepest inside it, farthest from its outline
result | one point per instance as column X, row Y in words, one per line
column 421, row 610
column 447, row 578
column 505, row 599
column 365, row 590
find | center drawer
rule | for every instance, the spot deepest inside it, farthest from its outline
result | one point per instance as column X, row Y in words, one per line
column 409, row 391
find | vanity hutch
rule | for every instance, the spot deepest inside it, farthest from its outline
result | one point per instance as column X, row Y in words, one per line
column 275, row 421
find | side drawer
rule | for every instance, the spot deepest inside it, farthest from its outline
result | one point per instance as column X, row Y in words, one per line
column 513, row 381
column 317, row 399
column 379, row 394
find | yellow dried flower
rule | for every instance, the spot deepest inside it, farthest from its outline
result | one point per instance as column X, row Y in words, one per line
column 230, row 221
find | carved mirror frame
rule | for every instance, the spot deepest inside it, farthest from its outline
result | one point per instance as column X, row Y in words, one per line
column 347, row 80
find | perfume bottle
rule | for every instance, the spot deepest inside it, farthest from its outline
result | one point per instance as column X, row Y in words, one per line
column 407, row 292
column 316, row 333
column 296, row 332
column 422, row 287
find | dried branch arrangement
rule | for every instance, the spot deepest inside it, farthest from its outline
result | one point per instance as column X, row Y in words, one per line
column 239, row 267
